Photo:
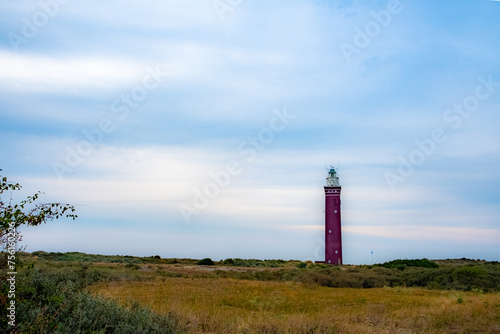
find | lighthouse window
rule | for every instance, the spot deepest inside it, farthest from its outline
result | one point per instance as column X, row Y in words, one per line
column 336, row 252
column 329, row 261
column 329, row 231
column 335, row 211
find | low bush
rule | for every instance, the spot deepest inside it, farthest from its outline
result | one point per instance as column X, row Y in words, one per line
column 258, row 263
column 302, row 265
column 93, row 258
column 206, row 262
column 403, row 264
column 54, row 301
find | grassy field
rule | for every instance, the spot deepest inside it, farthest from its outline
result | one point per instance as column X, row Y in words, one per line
column 84, row 293
column 243, row 306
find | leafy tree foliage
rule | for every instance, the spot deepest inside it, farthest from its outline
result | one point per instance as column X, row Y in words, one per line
column 27, row 212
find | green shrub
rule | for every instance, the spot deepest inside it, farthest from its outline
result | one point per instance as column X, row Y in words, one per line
column 403, row 264
column 206, row 262
column 301, row 265
column 228, row 262
column 267, row 275
column 132, row 266
column 257, row 263
column 472, row 277
column 52, row 301
column 171, row 261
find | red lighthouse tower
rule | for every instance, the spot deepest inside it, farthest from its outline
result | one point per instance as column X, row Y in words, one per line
column 333, row 236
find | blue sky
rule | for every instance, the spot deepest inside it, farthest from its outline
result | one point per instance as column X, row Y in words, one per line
column 128, row 109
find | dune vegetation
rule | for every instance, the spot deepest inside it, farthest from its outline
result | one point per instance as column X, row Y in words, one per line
column 85, row 293
column 243, row 306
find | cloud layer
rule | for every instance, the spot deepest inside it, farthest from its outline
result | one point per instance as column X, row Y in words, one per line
column 78, row 92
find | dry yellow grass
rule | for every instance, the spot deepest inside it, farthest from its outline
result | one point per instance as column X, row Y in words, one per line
column 240, row 306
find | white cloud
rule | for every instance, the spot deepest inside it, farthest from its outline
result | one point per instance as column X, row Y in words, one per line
column 226, row 77
column 71, row 76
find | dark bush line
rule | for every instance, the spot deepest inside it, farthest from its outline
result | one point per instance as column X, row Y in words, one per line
column 205, row 262
column 402, row 264
column 83, row 257
column 156, row 259
column 254, row 263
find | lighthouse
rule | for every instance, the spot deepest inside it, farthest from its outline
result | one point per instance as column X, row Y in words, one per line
column 333, row 235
